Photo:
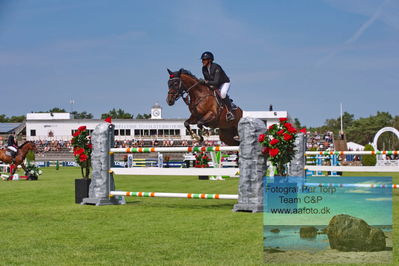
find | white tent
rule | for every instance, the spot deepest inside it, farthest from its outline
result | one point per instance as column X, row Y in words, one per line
column 352, row 146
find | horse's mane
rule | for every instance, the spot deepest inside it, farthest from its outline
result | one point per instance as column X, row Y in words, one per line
column 187, row 72
column 24, row 144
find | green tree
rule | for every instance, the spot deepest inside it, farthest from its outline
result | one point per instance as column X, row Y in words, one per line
column 12, row 119
column 16, row 119
column 395, row 122
column 117, row 114
column 3, row 118
column 82, row 115
column 369, row 160
column 363, row 130
column 56, row 110
column 334, row 125
column 52, row 110
column 143, row 116
column 297, row 123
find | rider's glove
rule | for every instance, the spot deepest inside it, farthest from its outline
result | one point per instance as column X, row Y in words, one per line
column 202, row 81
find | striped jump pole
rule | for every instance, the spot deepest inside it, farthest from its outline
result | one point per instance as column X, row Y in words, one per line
column 174, row 195
column 175, row 149
column 351, row 152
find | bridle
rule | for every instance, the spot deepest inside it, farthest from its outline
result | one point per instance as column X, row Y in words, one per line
column 180, row 91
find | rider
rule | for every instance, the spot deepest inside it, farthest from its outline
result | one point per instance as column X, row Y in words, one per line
column 216, row 78
column 12, row 145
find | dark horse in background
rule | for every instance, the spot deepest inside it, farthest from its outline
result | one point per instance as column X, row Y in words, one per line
column 20, row 157
column 205, row 107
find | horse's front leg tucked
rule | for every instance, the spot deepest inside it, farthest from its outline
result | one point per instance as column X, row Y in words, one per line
column 24, row 167
column 206, row 119
column 192, row 120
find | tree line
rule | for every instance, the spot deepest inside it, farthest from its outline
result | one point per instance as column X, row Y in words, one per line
column 363, row 130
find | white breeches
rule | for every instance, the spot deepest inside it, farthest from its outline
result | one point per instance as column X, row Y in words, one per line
column 12, row 148
column 224, row 89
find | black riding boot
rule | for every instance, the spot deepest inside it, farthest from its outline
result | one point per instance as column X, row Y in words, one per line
column 227, row 102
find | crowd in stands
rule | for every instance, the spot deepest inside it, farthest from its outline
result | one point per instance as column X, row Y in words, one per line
column 320, row 141
column 53, row 146
column 44, row 146
column 161, row 143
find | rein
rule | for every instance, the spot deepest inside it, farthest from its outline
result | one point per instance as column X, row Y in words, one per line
column 195, row 84
column 181, row 92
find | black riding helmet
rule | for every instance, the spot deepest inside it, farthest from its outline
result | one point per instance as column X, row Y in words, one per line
column 207, row 55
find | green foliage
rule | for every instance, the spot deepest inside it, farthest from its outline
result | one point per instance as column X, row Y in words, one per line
column 30, row 156
column 12, row 119
column 33, row 171
column 369, row 160
column 117, row 114
column 362, row 130
column 297, row 123
column 143, row 116
column 82, row 115
column 278, row 142
column 53, row 110
column 82, row 149
column 56, row 110
column 388, row 141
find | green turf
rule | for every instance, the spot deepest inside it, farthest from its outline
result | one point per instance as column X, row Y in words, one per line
column 41, row 224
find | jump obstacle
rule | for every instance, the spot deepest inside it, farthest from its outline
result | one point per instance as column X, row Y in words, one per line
column 174, row 195
column 352, row 153
column 335, row 168
column 252, row 168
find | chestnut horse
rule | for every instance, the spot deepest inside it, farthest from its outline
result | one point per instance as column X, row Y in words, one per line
column 20, row 157
column 206, row 109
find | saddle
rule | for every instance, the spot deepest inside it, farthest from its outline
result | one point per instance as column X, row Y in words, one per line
column 10, row 153
column 220, row 100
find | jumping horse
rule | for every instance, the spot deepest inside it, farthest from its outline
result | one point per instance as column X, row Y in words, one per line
column 205, row 106
column 20, row 157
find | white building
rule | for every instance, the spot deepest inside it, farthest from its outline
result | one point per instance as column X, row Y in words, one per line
column 61, row 126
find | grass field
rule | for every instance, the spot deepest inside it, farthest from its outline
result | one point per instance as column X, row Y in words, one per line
column 41, row 224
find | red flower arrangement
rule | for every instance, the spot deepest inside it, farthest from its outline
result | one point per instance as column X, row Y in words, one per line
column 278, row 143
column 82, row 149
column 201, row 160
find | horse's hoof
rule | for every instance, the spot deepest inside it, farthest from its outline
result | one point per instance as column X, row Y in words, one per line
column 236, row 138
column 196, row 137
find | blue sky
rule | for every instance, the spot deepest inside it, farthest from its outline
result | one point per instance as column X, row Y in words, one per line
column 302, row 56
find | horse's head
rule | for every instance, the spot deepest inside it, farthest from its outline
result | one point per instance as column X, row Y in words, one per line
column 175, row 87
column 29, row 145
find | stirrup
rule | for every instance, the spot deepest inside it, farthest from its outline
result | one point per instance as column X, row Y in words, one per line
column 233, row 106
column 230, row 116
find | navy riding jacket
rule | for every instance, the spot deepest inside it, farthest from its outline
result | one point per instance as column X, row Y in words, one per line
column 216, row 76
column 11, row 141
